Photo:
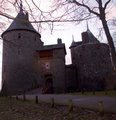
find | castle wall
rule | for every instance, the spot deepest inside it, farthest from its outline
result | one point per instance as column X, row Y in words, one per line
column 18, row 60
column 73, row 55
column 93, row 64
column 54, row 66
column 71, row 78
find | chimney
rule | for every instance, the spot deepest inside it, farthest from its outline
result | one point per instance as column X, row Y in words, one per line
column 59, row 41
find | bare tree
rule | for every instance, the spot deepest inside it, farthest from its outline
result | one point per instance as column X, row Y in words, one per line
column 114, row 38
column 65, row 11
column 87, row 9
column 9, row 9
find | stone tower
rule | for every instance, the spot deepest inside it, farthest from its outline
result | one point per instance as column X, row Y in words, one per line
column 93, row 63
column 20, row 42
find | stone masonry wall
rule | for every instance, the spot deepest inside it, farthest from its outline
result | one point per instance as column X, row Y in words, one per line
column 18, row 60
column 54, row 66
column 93, row 63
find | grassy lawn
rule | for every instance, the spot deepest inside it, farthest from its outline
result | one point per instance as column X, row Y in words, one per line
column 12, row 109
column 97, row 93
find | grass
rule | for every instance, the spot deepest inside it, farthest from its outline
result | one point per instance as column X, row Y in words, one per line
column 12, row 109
column 97, row 93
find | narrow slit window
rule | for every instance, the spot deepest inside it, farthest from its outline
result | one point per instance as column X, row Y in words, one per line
column 35, row 38
column 19, row 52
column 19, row 35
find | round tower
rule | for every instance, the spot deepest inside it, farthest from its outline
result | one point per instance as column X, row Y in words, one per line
column 20, row 42
column 94, row 64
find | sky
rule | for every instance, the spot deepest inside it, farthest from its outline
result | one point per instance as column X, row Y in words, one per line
column 65, row 31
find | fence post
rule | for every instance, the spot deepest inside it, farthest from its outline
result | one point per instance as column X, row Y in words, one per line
column 106, row 92
column 52, row 102
column 17, row 97
column 36, row 99
column 70, row 105
column 93, row 92
column 101, row 108
column 10, row 96
column 24, row 96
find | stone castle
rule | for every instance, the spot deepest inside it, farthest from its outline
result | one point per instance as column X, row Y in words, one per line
column 28, row 64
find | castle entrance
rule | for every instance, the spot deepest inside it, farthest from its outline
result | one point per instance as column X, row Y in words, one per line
column 48, row 86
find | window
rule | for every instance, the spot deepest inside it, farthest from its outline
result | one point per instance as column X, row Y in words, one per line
column 19, row 35
column 80, row 55
column 46, row 54
column 35, row 38
column 19, row 52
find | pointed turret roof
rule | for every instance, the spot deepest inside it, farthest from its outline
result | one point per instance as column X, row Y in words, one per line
column 91, row 37
column 75, row 44
column 21, row 22
column 73, row 41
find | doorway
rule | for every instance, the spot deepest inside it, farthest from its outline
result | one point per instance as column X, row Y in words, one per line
column 48, row 86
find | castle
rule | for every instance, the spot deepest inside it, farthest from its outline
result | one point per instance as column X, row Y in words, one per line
column 29, row 64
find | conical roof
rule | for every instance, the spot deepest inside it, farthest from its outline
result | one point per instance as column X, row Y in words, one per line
column 21, row 22
column 75, row 44
column 91, row 37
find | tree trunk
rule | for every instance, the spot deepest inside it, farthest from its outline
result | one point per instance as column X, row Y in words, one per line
column 110, row 42
column 108, row 34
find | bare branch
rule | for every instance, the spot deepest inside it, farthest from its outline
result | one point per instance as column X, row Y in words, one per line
column 15, row 2
column 6, row 15
column 87, row 7
column 106, row 4
column 31, row 12
column 69, row 20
